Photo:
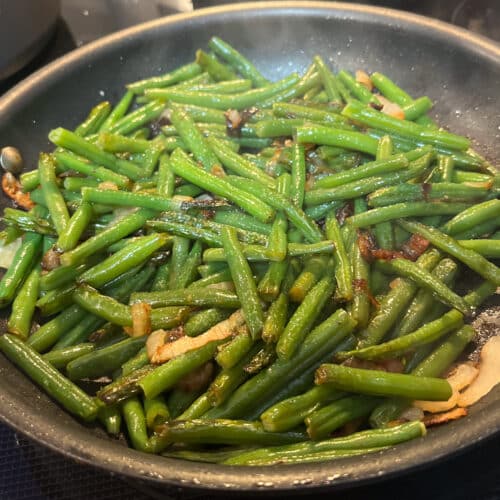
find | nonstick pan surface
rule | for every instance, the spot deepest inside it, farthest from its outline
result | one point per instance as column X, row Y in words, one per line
column 458, row 70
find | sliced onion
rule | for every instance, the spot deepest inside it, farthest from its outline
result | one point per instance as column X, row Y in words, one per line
column 489, row 373
column 441, row 418
column 154, row 342
column 220, row 331
column 108, row 185
column 141, row 319
column 460, row 376
column 365, row 80
column 438, row 406
column 7, row 253
column 412, row 413
column 391, row 108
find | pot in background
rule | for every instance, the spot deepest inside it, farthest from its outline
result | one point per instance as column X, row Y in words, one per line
column 26, row 26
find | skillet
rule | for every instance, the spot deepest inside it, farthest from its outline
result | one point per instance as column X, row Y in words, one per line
column 458, row 70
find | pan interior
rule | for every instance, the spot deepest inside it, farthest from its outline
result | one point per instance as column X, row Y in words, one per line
column 459, row 72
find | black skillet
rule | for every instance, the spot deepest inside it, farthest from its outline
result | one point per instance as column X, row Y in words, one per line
column 458, row 70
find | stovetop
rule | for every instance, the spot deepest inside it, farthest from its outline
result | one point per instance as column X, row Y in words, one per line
column 29, row 471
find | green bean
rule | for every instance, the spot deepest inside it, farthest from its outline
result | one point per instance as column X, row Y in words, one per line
column 50, row 332
column 390, row 90
column 117, row 143
column 179, row 401
column 140, row 360
column 356, row 89
column 118, row 111
column 156, row 412
column 231, row 377
column 442, row 191
column 472, row 216
column 167, row 375
column 189, row 296
column 17, row 272
column 238, row 164
column 55, row 300
column 303, row 318
column 59, row 358
column 432, row 366
column 244, row 235
column 298, row 176
column 307, row 227
column 261, row 253
column 225, row 87
column 135, row 420
column 417, row 110
column 242, row 221
column 360, row 306
column 184, row 167
column 186, row 231
column 194, row 140
column 380, row 383
column 66, row 139
column 355, row 189
column 197, row 409
column 217, row 70
column 363, row 440
column 394, row 163
column 316, row 346
column 108, row 236
column 53, row 198
column 178, row 75
column 406, row 209
column 322, row 422
column 225, row 101
column 418, row 310
column 101, row 305
column 222, row 431
column 243, row 281
column 237, row 61
column 151, row 157
column 319, row 134
column 290, row 110
column 180, row 251
column 104, row 361
column 201, row 321
column 111, row 417
column 75, row 184
column 343, row 272
column 166, row 178
column 425, row 279
column 373, row 118
column 71, row 397
column 426, row 334
column 97, row 116
column 23, row 306
column 75, row 228
column 391, row 305
column 189, row 270
column 213, row 278
column 298, row 89
column 470, row 258
column 313, row 270
column 478, row 231
column 291, row 412
column 487, row 248
column 328, row 79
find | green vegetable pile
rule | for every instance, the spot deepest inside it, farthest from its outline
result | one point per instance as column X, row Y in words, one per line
column 248, row 267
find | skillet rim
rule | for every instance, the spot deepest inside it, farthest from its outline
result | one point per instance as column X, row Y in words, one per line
column 290, row 478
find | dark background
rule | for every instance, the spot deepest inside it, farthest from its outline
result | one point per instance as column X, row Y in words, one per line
column 28, row 471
